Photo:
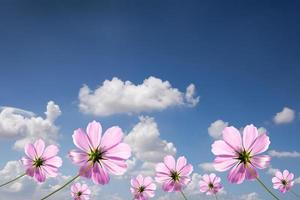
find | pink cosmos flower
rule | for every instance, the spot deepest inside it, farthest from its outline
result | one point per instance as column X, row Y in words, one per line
column 283, row 181
column 41, row 162
column 210, row 184
column 174, row 176
column 241, row 154
column 99, row 155
column 142, row 188
column 80, row 192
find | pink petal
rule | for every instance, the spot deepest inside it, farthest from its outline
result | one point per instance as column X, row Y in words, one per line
column 237, row 174
column 50, row 171
column 170, row 162
column 99, row 175
column 206, row 179
column 212, row 177
column 30, row 171
column 261, row 161
column 30, row 151
column 120, row 151
column 181, row 162
column 81, row 140
column 250, row 133
column 285, row 174
column 86, row 170
column 168, row 186
column 290, row 177
column 233, row 137
column 116, row 167
column 78, row 157
column 162, row 168
column 147, row 181
column 27, row 162
column 260, row 145
column 39, row 175
column 134, row 183
column 94, row 131
column 276, row 180
column 278, row 174
column 186, row 170
column 54, row 161
column 222, row 164
column 251, row 173
column 220, row 147
column 111, row 137
column 50, row 151
column 39, row 147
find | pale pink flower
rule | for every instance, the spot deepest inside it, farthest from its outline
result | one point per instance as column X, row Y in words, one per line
column 80, row 192
column 99, row 155
column 142, row 188
column 210, row 184
column 241, row 154
column 174, row 176
column 283, row 181
column 41, row 162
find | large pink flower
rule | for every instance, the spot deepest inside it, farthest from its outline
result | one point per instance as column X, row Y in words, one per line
column 283, row 181
column 174, row 176
column 97, row 155
column 80, row 192
column 41, row 162
column 210, row 184
column 142, row 188
column 241, row 154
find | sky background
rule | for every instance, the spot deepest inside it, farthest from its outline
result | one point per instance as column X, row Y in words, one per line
column 241, row 57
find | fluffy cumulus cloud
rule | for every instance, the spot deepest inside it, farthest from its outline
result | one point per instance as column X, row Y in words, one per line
column 207, row 167
column 147, row 146
column 215, row 129
column 287, row 115
column 284, row 154
column 116, row 96
column 23, row 126
column 272, row 170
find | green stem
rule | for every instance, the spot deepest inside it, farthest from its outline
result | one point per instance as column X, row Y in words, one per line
column 267, row 189
column 294, row 193
column 67, row 183
column 12, row 180
column 183, row 195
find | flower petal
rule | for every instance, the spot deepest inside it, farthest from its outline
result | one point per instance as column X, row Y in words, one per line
column 233, row 138
column 120, row 151
column 78, row 157
column 81, row 140
column 111, row 137
column 39, row 147
column 181, row 162
column 261, row 161
column 250, row 133
column 99, row 175
column 54, row 161
column 116, row 167
column 50, row 151
column 223, row 163
column 170, row 162
column 30, row 151
column 220, row 147
column 94, row 131
column 260, row 145
column 237, row 174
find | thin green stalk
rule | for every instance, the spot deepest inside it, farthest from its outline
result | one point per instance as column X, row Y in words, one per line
column 12, row 180
column 67, row 183
column 267, row 189
column 183, row 195
column 294, row 193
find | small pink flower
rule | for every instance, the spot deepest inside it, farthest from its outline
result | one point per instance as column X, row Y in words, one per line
column 41, row 162
column 210, row 184
column 80, row 192
column 142, row 188
column 97, row 155
column 174, row 176
column 283, row 181
column 241, row 154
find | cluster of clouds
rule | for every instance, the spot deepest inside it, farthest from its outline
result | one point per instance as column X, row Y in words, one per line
column 118, row 97
column 23, row 126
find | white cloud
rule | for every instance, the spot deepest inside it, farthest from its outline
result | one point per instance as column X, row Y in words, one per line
column 272, row 170
column 250, row 196
column 215, row 129
column 116, row 96
column 287, row 115
column 146, row 144
column 207, row 167
column 284, row 154
column 297, row 180
column 25, row 127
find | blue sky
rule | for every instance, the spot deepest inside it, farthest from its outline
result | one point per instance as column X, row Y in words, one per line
column 242, row 57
